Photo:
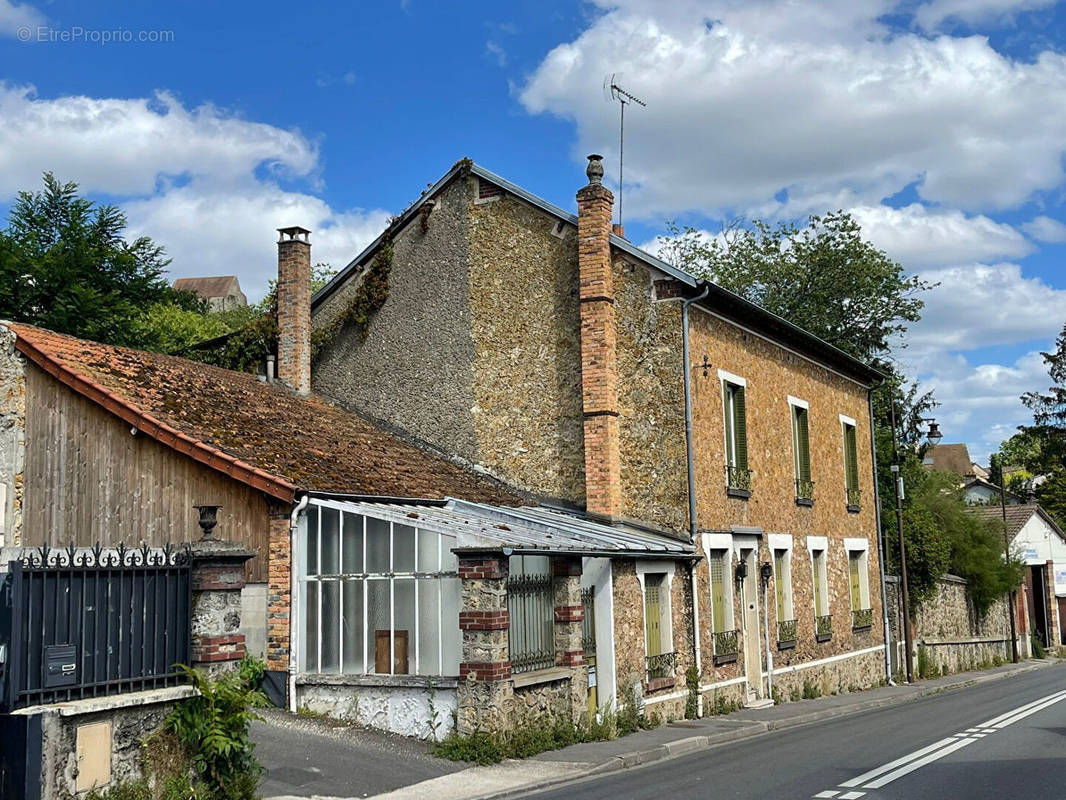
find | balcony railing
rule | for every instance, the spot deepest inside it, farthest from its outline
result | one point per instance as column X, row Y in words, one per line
column 823, row 628
column 738, row 481
column 804, row 492
column 786, row 634
column 862, row 619
column 662, row 665
column 854, row 499
column 725, row 647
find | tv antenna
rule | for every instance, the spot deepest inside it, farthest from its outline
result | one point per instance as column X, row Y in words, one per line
column 612, row 91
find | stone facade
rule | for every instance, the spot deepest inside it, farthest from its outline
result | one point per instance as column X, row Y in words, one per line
column 556, row 365
column 12, row 438
column 217, row 581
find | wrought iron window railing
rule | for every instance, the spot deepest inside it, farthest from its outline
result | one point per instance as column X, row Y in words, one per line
column 588, row 624
column 738, row 479
column 725, row 647
column 823, row 628
column 805, row 491
column 531, row 640
column 862, row 619
column 854, row 499
column 786, row 632
column 662, row 665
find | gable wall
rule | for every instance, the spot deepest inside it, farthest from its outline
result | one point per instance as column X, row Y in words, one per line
column 88, row 480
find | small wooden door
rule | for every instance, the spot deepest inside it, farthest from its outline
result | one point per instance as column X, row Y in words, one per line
column 381, row 653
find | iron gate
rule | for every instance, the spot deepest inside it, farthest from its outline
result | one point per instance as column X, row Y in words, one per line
column 83, row 622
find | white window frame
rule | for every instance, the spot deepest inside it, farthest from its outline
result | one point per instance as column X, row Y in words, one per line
column 776, row 542
column 729, row 416
column 861, row 546
column 313, row 662
column 816, row 545
column 794, row 403
column 666, row 626
column 722, row 542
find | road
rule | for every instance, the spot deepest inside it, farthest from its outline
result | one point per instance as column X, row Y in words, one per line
column 1000, row 739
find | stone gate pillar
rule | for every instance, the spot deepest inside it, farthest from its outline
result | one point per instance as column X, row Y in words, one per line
column 217, row 580
column 485, row 691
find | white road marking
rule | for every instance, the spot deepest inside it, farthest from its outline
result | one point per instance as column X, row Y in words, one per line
column 958, row 744
column 859, row 781
column 1027, row 712
column 980, row 735
column 827, row 793
column 992, row 722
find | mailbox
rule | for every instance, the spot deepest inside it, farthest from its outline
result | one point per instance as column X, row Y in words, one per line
column 60, row 666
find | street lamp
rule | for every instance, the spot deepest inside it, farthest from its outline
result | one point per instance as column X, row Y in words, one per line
column 934, row 435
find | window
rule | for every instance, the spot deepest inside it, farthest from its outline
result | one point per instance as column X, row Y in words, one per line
column 722, row 630
column 658, row 631
column 378, row 597
column 531, row 603
column 823, row 621
column 801, row 452
column 851, row 465
column 786, row 621
column 859, row 583
column 738, row 476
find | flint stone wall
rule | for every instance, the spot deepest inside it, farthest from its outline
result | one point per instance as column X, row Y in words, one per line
column 424, row 712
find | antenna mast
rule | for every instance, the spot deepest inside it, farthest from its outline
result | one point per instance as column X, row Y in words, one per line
column 612, row 91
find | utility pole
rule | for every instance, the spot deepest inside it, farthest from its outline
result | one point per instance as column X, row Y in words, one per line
column 1012, row 610
column 908, row 644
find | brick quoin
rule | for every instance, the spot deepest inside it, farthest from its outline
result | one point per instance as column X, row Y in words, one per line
column 485, row 671
column 278, row 599
column 569, row 613
column 669, row 289
column 599, row 371
column 571, row 658
column 211, row 649
column 566, row 567
column 208, row 579
column 482, row 568
column 499, row 620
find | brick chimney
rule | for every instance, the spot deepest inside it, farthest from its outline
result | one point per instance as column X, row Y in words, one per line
column 294, row 308
column 599, row 376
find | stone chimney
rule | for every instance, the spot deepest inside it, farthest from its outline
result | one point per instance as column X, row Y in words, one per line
column 599, row 376
column 294, row 308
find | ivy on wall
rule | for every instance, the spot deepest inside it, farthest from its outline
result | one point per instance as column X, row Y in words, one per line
column 370, row 296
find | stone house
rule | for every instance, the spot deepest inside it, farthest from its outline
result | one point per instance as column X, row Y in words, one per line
column 542, row 348
column 977, row 489
column 221, row 292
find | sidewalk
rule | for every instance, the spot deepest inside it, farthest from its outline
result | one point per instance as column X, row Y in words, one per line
column 679, row 738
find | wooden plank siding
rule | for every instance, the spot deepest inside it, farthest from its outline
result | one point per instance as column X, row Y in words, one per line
column 88, row 480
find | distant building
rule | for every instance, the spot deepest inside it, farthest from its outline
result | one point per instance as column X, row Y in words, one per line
column 977, row 489
column 222, row 292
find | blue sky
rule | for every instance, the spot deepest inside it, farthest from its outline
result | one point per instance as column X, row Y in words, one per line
column 941, row 124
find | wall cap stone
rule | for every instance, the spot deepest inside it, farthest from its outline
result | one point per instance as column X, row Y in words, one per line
column 94, row 705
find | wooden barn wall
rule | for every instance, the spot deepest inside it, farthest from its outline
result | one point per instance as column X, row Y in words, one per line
column 89, row 480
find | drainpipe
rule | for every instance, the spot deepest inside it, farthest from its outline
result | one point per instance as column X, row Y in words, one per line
column 293, row 595
column 696, row 650
column 880, row 544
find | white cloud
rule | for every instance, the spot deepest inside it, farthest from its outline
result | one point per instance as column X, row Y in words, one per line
column 201, row 182
column 1046, row 229
column 983, row 306
column 124, row 146
column 750, row 99
column 14, row 16
column 920, row 238
column 496, row 52
column 934, row 14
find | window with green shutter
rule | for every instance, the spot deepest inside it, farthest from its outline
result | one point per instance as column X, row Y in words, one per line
column 821, row 599
column 801, row 450
column 855, row 573
column 782, row 583
column 716, row 564
column 736, row 437
column 653, row 614
column 851, row 466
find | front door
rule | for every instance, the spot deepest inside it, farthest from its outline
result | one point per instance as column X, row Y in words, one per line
column 752, row 648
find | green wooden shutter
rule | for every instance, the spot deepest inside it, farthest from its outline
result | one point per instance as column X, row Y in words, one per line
column 851, row 457
column 819, row 604
column 803, row 444
column 856, row 587
column 717, row 570
column 654, row 639
column 779, row 584
column 741, row 423
column 727, row 421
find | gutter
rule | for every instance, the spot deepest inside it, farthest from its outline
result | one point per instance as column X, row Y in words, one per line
column 293, row 598
column 697, row 655
column 880, row 542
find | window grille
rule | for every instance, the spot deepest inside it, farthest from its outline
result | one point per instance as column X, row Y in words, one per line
column 531, row 603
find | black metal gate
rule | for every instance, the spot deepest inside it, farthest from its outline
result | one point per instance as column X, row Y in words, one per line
column 81, row 623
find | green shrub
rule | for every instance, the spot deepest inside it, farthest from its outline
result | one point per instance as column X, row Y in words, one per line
column 1037, row 646
column 811, row 691
column 213, row 727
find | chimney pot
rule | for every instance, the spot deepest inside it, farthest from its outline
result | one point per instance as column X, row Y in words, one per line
column 594, row 171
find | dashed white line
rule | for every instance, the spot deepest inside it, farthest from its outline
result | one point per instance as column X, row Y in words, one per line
column 859, row 781
column 958, row 744
column 828, row 793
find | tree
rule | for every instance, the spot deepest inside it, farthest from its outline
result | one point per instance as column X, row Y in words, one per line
column 1049, row 413
column 65, row 265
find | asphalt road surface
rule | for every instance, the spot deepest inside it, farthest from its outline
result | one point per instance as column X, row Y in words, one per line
column 999, row 740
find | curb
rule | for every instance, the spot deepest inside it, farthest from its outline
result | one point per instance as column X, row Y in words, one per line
column 750, row 729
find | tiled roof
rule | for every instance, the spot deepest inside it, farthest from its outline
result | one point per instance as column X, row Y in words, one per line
column 217, row 286
column 1017, row 516
column 261, row 434
column 949, row 458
